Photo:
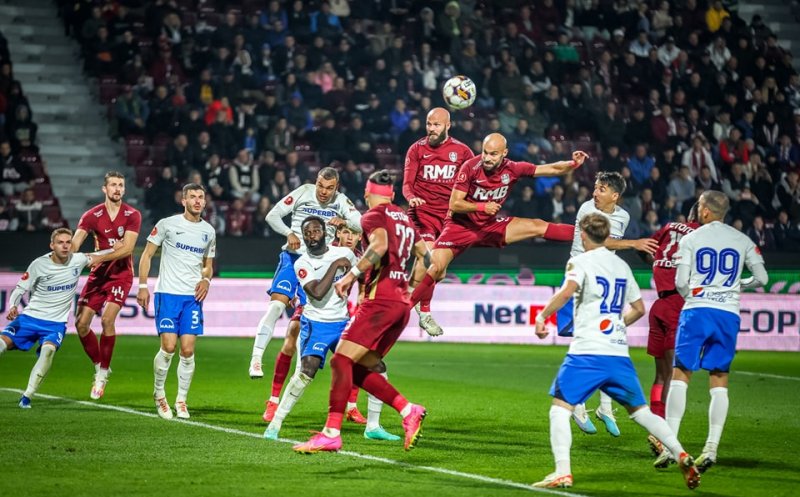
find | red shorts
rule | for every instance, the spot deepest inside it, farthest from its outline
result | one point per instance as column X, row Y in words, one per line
column 377, row 325
column 429, row 223
column 298, row 312
column 459, row 237
column 99, row 290
column 664, row 315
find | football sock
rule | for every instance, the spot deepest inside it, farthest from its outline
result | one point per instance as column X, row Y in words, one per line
column 353, row 397
column 341, row 383
column 3, row 347
column 160, row 369
column 374, row 407
column 40, row 369
column 559, row 232
column 379, row 386
column 294, row 390
column 659, row 428
column 282, row 364
column 676, row 405
column 266, row 326
column 424, row 290
column 91, row 347
column 106, row 350
column 425, row 303
column 717, row 413
column 185, row 374
column 605, row 402
column 560, row 438
column 656, row 404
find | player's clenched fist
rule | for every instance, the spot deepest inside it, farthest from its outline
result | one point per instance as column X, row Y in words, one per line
column 492, row 208
column 578, row 157
column 143, row 298
column 293, row 241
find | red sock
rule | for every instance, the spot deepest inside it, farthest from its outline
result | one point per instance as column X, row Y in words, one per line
column 378, row 386
column 106, row 349
column 559, row 232
column 425, row 302
column 341, row 384
column 656, row 405
column 282, row 364
column 424, row 291
column 91, row 347
column 353, row 395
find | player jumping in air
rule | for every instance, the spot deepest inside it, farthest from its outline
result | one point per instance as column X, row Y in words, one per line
column 598, row 355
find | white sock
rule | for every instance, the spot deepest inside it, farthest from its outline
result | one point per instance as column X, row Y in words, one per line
column 266, row 326
column 411, row 289
column 658, row 427
column 676, row 404
column 3, row 346
column 717, row 412
column 579, row 410
column 160, row 369
column 605, row 402
column 374, row 407
column 350, row 405
column 274, row 399
column 294, row 390
column 40, row 369
column 185, row 374
column 406, row 410
column 560, row 438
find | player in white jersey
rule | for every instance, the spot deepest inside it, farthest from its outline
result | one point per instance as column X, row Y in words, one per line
column 608, row 187
column 51, row 280
column 598, row 356
column 322, row 200
column 324, row 317
column 709, row 277
column 188, row 247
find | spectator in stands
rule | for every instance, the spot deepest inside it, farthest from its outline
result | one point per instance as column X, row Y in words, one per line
column 8, row 221
column 162, row 112
column 296, row 170
column 28, row 212
column 179, row 157
column 648, row 203
column 733, row 149
column 244, row 178
column 131, row 112
column 360, row 145
column 663, row 126
column 788, row 153
column 657, row 185
column 637, row 129
column 705, row 180
column 788, row 193
column 681, row 187
column 414, row 132
column 527, row 205
column 324, row 22
column 216, row 178
column 202, row 149
column 22, row 130
column 277, row 187
column 610, row 126
column 640, row 164
column 259, row 226
column 399, row 117
column 698, row 157
column 761, row 236
column 159, row 198
column 735, row 183
column 298, row 115
column 714, row 15
column 15, row 176
column 611, row 160
column 237, row 220
column 785, row 232
column 352, row 183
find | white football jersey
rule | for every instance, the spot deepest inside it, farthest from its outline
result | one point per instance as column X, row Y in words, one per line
column 605, row 285
column 52, row 287
column 301, row 203
column 619, row 220
column 716, row 254
column 309, row 268
column 183, row 244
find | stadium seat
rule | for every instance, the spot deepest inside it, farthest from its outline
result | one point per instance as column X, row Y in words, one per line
column 147, row 174
column 108, row 89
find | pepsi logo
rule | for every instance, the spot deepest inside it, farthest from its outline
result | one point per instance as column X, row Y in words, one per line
column 606, row 326
column 697, row 292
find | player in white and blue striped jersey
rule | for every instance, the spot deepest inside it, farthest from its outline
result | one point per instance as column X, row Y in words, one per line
column 603, row 285
column 608, row 187
column 709, row 277
column 51, row 280
column 188, row 247
column 322, row 200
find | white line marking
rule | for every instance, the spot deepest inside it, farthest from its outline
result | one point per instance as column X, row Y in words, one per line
column 767, row 375
column 233, row 431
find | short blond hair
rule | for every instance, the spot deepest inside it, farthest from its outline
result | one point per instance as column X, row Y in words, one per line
column 60, row 231
column 596, row 227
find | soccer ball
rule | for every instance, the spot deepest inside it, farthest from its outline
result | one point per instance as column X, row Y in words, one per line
column 459, row 92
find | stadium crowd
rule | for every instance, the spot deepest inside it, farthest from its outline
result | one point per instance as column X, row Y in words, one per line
column 254, row 97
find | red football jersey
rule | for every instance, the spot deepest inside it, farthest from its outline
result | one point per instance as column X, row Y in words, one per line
column 492, row 187
column 430, row 172
column 107, row 232
column 389, row 280
column 663, row 267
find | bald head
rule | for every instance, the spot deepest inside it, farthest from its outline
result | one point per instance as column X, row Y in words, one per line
column 495, row 149
column 437, row 125
column 713, row 206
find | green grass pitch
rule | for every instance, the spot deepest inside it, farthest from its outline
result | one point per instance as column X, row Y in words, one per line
column 486, row 433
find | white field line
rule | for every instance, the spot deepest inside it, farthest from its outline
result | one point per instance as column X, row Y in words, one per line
column 459, row 474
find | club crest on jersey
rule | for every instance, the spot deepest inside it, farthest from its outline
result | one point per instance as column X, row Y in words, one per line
column 453, row 156
column 288, row 200
column 505, row 178
column 154, row 232
column 25, row 276
column 205, row 237
column 120, row 231
column 302, row 273
column 462, row 177
column 75, row 271
column 606, row 326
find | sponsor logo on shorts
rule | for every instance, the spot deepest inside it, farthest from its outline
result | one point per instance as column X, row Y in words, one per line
column 606, row 326
column 319, row 346
column 302, row 273
column 284, row 285
column 166, row 324
column 444, row 244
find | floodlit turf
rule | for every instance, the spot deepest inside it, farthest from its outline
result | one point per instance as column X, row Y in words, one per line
column 488, row 409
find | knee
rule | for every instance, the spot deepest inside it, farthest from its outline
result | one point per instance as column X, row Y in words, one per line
column 379, row 368
column 169, row 348
column 309, row 371
column 437, row 271
column 289, row 348
column 48, row 351
column 187, row 350
column 82, row 325
column 108, row 325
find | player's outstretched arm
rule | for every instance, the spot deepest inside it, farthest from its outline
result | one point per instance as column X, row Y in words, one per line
column 556, row 302
column 561, row 168
column 682, row 275
column 378, row 245
column 125, row 248
column 460, row 205
column 634, row 312
column 282, row 209
column 77, row 239
column 143, row 295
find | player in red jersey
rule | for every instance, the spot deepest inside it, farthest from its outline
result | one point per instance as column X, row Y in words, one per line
column 383, row 314
column 428, row 179
column 482, row 186
column 665, row 311
column 115, row 225
column 283, row 362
